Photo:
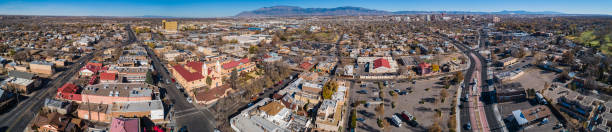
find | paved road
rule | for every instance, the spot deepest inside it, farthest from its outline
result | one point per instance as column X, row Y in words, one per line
column 464, row 114
column 185, row 113
column 18, row 118
column 494, row 124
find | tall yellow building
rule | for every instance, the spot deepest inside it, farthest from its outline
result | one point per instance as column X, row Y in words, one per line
column 170, row 27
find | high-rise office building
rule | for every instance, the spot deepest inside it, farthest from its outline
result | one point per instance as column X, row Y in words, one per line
column 170, row 27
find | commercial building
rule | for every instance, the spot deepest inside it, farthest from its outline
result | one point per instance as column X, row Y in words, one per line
column 69, row 91
column 152, row 109
column 22, row 82
column 93, row 112
column 61, row 107
column 107, row 93
column 42, row 68
column 508, row 61
column 125, row 125
column 511, row 92
column 169, row 27
column 129, row 74
column 108, row 77
column 6, row 99
column 530, row 116
column 268, row 116
column 577, row 106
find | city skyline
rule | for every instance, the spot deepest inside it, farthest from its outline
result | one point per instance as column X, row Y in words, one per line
column 216, row 8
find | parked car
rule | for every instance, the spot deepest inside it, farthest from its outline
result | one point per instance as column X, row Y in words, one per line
column 362, row 91
column 360, row 119
column 189, row 100
column 468, row 126
column 396, row 90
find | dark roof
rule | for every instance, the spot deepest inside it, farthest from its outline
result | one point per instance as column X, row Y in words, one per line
column 20, row 74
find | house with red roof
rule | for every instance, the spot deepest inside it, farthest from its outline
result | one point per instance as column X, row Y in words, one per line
column 91, row 69
column 125, row 125
column 69, row 91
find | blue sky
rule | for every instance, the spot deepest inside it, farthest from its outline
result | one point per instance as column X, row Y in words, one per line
column 221, row 8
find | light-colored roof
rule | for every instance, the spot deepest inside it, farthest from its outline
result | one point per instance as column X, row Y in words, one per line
column 137, row 106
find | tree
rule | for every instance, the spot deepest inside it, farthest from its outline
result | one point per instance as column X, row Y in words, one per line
column 458, row 77
column 149, row 78
column 380, row 109
column 443, row 95
column 253, row 49
column 151, row 45
column 208, row 80
column 233, row 78
column 353, row 118
column 12, row 52
column 20, row 56
column 329, row 89
column 435, row 127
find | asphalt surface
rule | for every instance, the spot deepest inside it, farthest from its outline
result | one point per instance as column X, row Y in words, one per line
column 464, row 115
column 494, row 124
column 185, row 114
column 18, row 118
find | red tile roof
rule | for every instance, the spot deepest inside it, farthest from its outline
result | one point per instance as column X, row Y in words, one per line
column 381, row 62
column 244, row 61
column 231, row 64
column 94, row 67
column 94, row 64
column 305, row 65
column 68, row 88
column 107, row 76
column 211, row 94
column 190, row 76
column 68, row 91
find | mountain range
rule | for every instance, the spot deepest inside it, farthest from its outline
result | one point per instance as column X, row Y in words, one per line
column 286, row 11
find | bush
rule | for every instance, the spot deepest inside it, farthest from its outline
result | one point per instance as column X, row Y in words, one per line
column 392, row 104
column 452, row 122
column 380, row 123
column 353, row 118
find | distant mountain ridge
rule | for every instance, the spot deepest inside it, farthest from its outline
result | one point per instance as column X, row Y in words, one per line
column 285, row 11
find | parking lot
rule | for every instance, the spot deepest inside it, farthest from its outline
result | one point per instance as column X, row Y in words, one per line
column 535, row 78
column 421, row 99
